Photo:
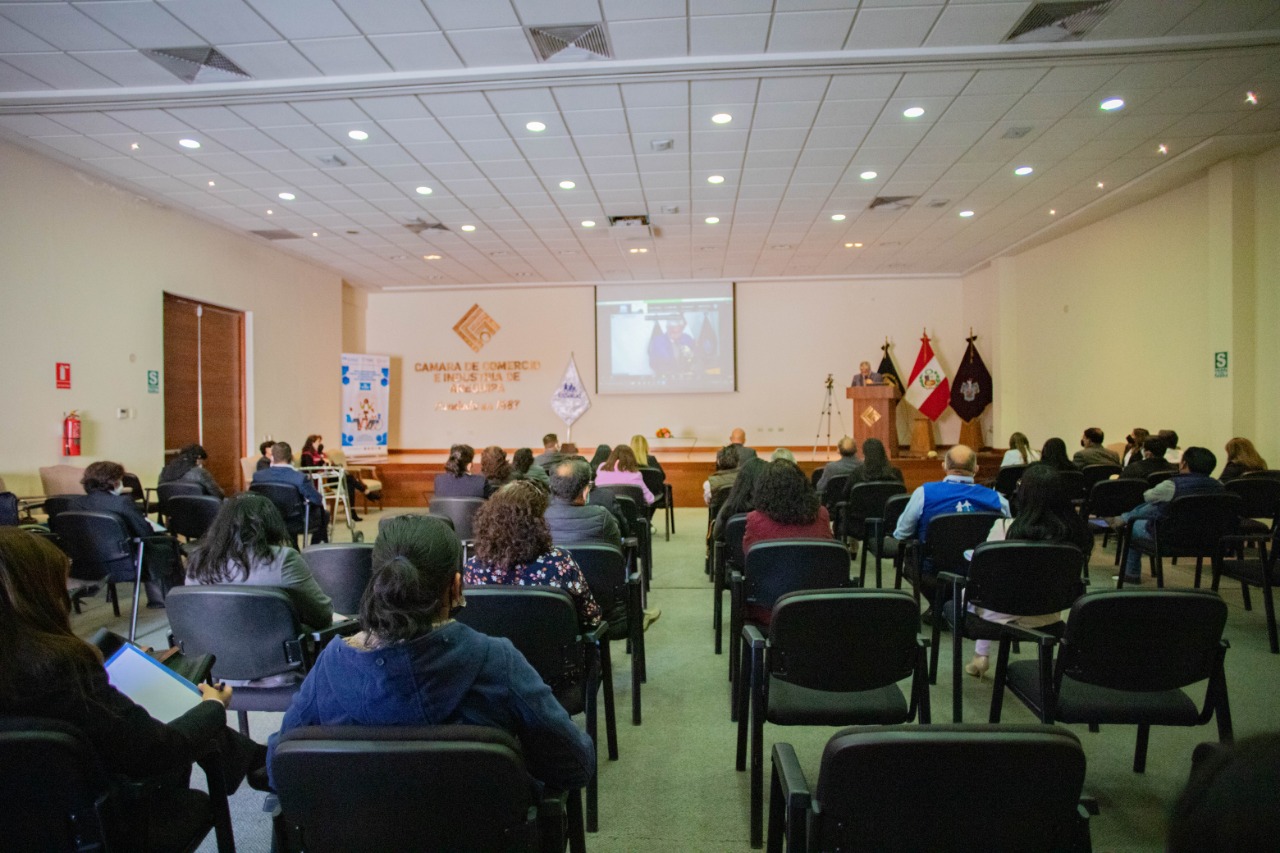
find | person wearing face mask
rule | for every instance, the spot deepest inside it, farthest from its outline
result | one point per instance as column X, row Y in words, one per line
column 313, row 456
column 104, row 492
column 188, row 466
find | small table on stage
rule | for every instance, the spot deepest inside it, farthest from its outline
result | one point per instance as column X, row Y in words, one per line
column 875, row 414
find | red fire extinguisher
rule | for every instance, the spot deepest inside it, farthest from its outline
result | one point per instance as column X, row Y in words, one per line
column 71, row 434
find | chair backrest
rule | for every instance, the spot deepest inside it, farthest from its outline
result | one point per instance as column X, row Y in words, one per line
column 778, row 566
column 734, row 529
column 834, row 491
column 893, row 509
column 542, row 623
column 8, row 508
column 382, row 522
column 1007, row 479
column 58, row 504
column 634, row 493
column 605, row 569
column 867, row 500
column 1109, row 498
column 843, row 639
column 1155, row 478
column 252, row 630
column 58, row 806
column 1198, row 522
column 461, row 511
column 343, row 570
column 97, row 543
column 1098, row 473
column 1028, row 578
column 1143, row 640
column 718, row 497
column 61, row 480
column 1034, row 772
column 288, row 499
column 630, row 509
column 1073, row 484
column 165, row 491
column 1259, row 496
column 191, row 515
column 1269, row 474
column 406, row 787
column 952, row 533
column 654, row 481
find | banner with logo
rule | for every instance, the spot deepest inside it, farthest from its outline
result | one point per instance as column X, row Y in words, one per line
column 570, row 400
column 971, row 392
column 928, row 389
column 366, row 397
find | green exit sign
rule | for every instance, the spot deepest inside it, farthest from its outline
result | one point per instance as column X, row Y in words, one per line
column 1220, row 365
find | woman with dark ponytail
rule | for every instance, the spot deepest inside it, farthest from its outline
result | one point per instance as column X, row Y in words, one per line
column 412, row 664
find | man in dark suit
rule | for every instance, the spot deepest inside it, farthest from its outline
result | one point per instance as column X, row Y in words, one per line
column 866, row 376
column 572, row 520
column 104, row 492
column 738, row 438
column 1151, row 460
column 281, row 470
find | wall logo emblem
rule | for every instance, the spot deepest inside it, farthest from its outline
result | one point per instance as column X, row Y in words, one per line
column 476, row 328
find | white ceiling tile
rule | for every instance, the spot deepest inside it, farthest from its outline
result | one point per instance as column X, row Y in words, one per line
column 649, row 39
column 981, row 107
column 932, row 83
column 466, row 128
column 728, row 34
column 1005, row 81
column 432, row 153
column 77, row 146
column 848, row 112
column 243, row 139
column 866, row 86
column 339, row 56
column 62, row 25
column 416, row 51
column 458, row 104
column 453, row 15
column 588, row 97
column 975, row 24
column 554, row 12
column 389, row 16
column 788, row 139
column 13, row 80
column 142, row 23
column 817, row 30
column 849, row 136
column 58, row 70
column 891, row 28
column 305, row 19
column 798, row 114
column 269, row 60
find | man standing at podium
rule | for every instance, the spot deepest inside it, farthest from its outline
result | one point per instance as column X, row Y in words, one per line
column 865, row 376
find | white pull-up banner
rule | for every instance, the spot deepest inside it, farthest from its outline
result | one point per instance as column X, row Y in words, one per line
column 366, row 396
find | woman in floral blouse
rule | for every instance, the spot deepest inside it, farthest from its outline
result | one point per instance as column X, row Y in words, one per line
column 513, row 548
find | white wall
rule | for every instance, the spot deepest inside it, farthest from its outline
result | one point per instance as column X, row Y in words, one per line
column 789, row 336
column 84, row 268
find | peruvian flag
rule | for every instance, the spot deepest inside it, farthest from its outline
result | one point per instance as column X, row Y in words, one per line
column 928, row 389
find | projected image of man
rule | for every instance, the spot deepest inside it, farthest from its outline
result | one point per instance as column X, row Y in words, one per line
column 672, row 351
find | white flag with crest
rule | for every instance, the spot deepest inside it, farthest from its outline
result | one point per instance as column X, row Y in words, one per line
column 570, row 400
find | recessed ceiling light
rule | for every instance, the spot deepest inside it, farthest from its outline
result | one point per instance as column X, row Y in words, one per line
column 913, row 112
column 535, row 126
column 868, row 175
column 1023, row 170
column 715, row 179
column 637, row 251
column 965, row 214
column 269, row 212
column 425, row 190
column 1251, row 98
column 212, row 184
column 848, row 245
column 431, row 257
column 189, row 143
column 1111, row 104
column 358, row 135
column 315, row 233
column 837, row 217
column 588, row 223
column 722, row 118
column 1101, row 185
column 857, row 245
column 287, row 196
column 1162, row 149
column 567, row 185
column 468, row 228
column 1053, row 212
column 133, row 146
column 712, row 220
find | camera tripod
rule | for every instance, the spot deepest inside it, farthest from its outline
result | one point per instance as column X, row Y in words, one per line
column 827, row 405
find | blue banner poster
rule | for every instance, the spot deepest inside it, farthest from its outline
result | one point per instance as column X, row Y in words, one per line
column 366, row 395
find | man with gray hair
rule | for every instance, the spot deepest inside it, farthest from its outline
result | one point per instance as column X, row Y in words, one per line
column 572, row 520
column 956, row 492
column 842, row 467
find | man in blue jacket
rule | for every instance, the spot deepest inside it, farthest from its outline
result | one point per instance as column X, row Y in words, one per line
column 1194, row 477
column 281, row 470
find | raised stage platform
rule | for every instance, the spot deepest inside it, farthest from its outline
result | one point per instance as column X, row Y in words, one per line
column 408, row 476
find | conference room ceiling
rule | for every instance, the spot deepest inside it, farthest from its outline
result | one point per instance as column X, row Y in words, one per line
column 816, row 89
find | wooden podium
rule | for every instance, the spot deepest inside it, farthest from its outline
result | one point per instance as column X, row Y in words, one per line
column 875, row 414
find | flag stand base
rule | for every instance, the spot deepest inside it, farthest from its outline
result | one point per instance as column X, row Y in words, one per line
column 971, row 433
column 922, row 441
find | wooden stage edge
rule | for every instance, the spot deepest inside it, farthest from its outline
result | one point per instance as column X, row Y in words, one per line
column 407, row 476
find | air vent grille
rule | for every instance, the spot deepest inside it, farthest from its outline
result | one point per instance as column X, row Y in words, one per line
column 570, row 42
column 891, row 202
column 1054, row 22
column 1016, row 132
column 197, row 64
column 277, row 234
column 417, row 226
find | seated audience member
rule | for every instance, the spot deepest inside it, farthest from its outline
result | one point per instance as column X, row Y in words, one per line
column 875, row 467
column 1045, row 514
column 188, row 467
column 495, row 468
column 1231, row 803
column 569, row 450
column 620, row 469
column 457, row 481
column 513, row 548
column 248, row 544
column 1019, row 452
column 1149, row 460
column 313, row 456
column 738, row 438
column 161, row 561
column 1194, row 477
column 598, row 458
column 640, row 447
column 264, row 461
column 524, row 468
column 742, row 494
column 550, row 451
column 1092, row 452
column 47, row 671
column 412, row 665
column 786, row 507
column 282, row 471
column 724, row 475
column 1133, row 445
column 1054, row 454
column 1242, row 458
column 1172, row 451
column 570, row 518
column 842, row 467
column 782, row 453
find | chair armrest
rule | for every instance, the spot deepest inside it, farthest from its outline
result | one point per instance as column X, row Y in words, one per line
column 753, row 637
column 345, row 628
column 1029, row 634
column 790, row 773
column 952, row 577
column 596, row 634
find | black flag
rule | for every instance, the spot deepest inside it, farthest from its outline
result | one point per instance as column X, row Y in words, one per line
column 971, row 387
column 886, row 369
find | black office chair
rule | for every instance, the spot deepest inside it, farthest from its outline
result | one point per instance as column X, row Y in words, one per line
column 343, row 570
column 1073, row 483
column 832, row 496
column 254, row 633
column 101, row 549
column 617, row 591
column 449, row 788
column 1155, row 478
column 1125, row 657
column 294, row 508
column 58, row 797
column 382, row 522
column 1192, row 526
column 1261, row 572
column 833, row 657
column 726, row 558
column 948, row 536
column 1110, row 499
column 630, row 501
column 190, row 516
column 461, row 512
column 1098, row 473
column 1259, row 503
column 1007, row 478
column 55, row 505
column 1026, row 779
column 165, row 491
column 880, row 542
column 542, row 623
column 772, row 569
column 862, row 502
column 655, row 481
column 1026, row 578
